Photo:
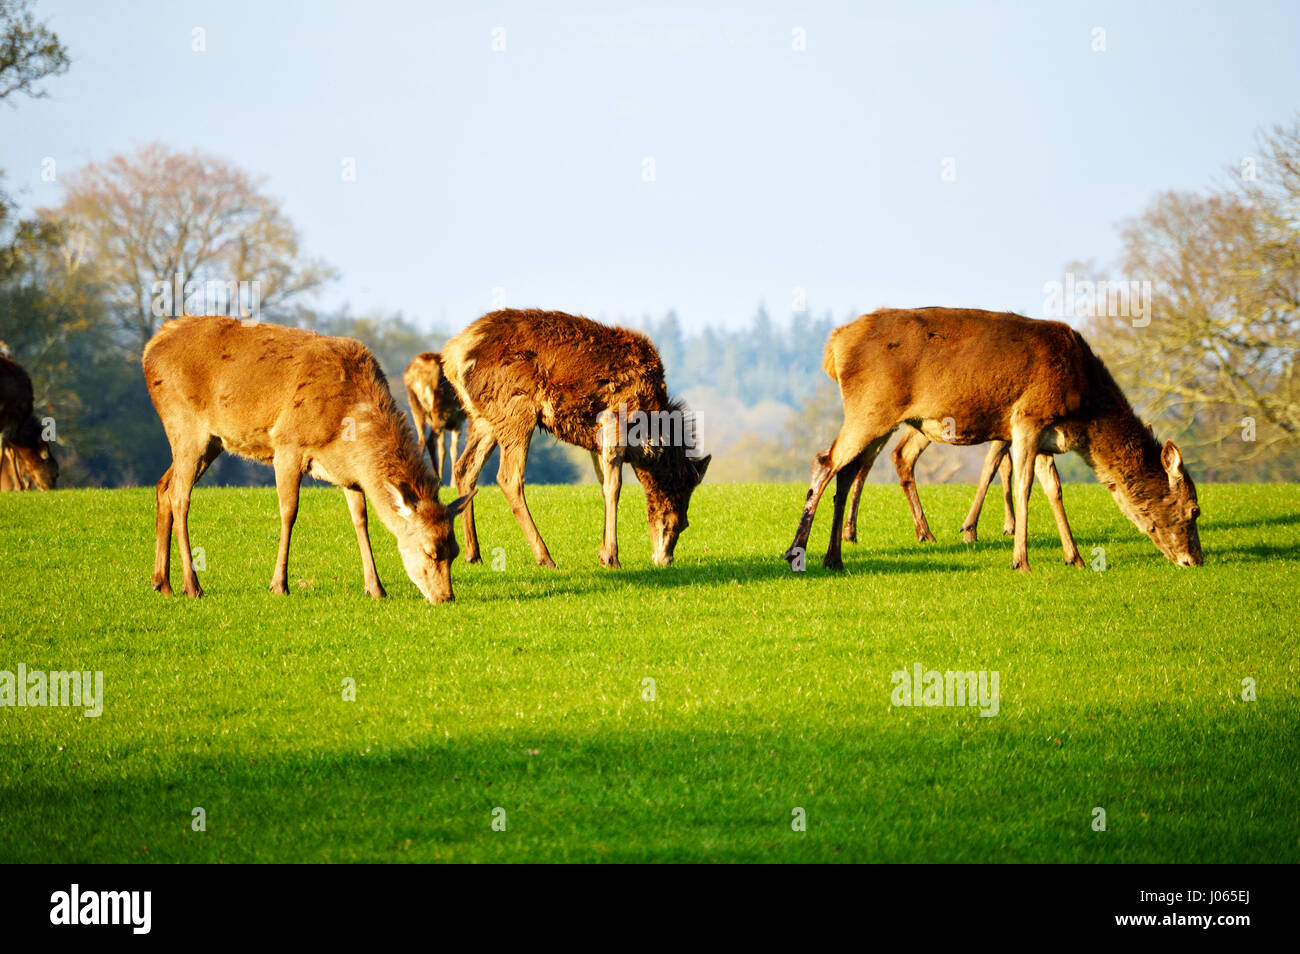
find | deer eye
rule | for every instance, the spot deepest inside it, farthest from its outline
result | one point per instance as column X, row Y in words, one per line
column 1196, row 511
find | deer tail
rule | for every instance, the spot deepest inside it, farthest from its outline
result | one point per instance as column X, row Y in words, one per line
column 828, row 358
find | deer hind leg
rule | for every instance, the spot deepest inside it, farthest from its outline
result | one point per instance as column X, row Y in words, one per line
column 1045, row 466
column 510, row 476
column 288, row 477
column 478, row 446
column 850, row 532
column 357, row 510
column 1024, row 448
column 187, row 467
column 844, row 451
column 994, row 459
column 905, row 454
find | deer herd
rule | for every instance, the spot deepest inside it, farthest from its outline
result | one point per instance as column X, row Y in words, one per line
column 306, row 403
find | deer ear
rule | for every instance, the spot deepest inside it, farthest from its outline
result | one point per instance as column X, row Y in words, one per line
column 456, row 506
column 402, row 499
column 1172, row 460
column 701, row 466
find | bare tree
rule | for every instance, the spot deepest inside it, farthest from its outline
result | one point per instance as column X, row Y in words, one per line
column 154, row 221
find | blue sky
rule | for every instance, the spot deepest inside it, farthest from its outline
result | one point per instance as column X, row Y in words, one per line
column 523, row 171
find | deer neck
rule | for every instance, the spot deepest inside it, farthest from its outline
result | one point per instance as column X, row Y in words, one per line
column 1125, row 458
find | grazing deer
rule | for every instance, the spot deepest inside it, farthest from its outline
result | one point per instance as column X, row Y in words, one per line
column 26, row 459
column 997, row 460
column 991, row 376
column 591, row 385
column 433, row 400
column 303, row 403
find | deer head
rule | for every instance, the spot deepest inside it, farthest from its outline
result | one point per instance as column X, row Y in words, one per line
column 668, row 495
column 425, row 537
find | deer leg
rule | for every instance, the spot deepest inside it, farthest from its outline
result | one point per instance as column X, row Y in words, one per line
column 850, row 533
column 437, row 455
column 417, row 415
column 357, row 509
column 477, row 448
column 288, row 477
column 905, row 454
column 162, row 556
column 453, row 436
column 1008, row 510
column 1045, row 466
column 844, row 450
column 611, row 470
column 1024, row 448
column 996, row 453
column 186, row 470
column 510, row 476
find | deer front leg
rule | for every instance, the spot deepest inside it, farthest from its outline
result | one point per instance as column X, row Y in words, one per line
column 288, row 477
column 1008, row 510
column 821, row 476
column 905, row 454
column 357, row 510
column 1045, row 465
column 996, row 455
column 610, row 465
column 437, row 454
column 470, row 464
column 510, row 476
column 1024, row 448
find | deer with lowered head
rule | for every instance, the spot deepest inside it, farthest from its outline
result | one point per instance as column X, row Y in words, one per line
column 26, row 458
column 992, row 376
column 305, row 404
column 598, row 387
column 433, row 404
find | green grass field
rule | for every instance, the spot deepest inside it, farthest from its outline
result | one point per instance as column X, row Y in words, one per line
column 1119, row 689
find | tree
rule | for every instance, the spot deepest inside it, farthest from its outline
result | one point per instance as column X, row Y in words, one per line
column 1217, row 360
column 29, row 51
column 155, row 221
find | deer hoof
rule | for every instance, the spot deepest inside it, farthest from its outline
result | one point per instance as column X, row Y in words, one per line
column 1077, row 561
column 925, row 536
column 376, row 593
column 969, row 535
column 279, row 589
column 850, row 535
column 164, row 588
column 1009, row 531
column 834, row 563
column 195, row 591
column 1018, row 565
column 611, row 562
column 546, row 562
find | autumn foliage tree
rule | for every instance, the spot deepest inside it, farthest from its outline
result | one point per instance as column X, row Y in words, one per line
column 142, row 220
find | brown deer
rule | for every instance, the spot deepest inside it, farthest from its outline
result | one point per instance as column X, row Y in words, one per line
column 26, row 459
column 433, row 401
column 996, row 460
column 303, row 403
column 591, row 385
column 993, row 376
